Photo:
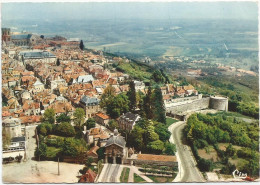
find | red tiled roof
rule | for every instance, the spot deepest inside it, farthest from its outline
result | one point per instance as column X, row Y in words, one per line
column 151, row 157
column 103, row 116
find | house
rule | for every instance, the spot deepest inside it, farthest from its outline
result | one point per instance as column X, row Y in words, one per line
column 12, row 126
column 62, row 106
column 102, row 119
column 31, row 108
column 30, row 120
column 95, row 135
column 17, row 144
column 38, row 86
column 31, row 57
column 127, row 121
column 115, row 151
column 139, row 85
column 84, row 79
column 89, row 177
column 90, row 105
column 93, row 153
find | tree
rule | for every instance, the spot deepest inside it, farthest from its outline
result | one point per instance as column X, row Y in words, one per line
column 42, row 36
column 148, row 104
column 65, row 129
column 41, row 151
column 158, row 77
column 58, row 62
column 230, row 151
column 79, row 116
column 90, row 123
column 6, row 138
column 62, row 118
column 49, row 116
column 107, row 96
column 155, row 147
column 132, row 96
column 73, row 147
column 113, row 124
column 81, row 45
column 170, row 149
column 118, row 106
column 205, row 165
column 158, row 106
column 162, row 131
column 136, row 138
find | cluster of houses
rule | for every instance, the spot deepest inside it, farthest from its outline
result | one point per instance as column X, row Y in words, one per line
column 41, row 73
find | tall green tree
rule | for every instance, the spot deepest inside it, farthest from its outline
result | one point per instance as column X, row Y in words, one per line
column 79, row 116
column 49, row 116
column 58, row 62
column 158, row 77
column 107, row 96
column 118, row 106
column 132, row 96
column 81, row 45
column 158, row 106
column 148, row 104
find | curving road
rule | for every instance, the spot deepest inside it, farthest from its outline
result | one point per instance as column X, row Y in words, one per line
column 188, row 172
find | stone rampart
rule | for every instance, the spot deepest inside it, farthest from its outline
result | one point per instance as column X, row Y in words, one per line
column 198, row 104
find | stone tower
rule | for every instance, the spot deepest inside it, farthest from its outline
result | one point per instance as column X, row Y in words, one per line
column 6, row 35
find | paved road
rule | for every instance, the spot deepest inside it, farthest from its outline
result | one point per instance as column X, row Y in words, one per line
column 111, row 173
column 188, row 171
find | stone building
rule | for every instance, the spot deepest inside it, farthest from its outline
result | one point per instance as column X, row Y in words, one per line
column 12, row 126
column 115, row 151
column 127, row 121
column 102, row 119
column 30, row 57
column 6, row 35
column 25, row 39
column 90, row 105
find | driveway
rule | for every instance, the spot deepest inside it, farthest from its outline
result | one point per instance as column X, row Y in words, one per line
column 188, row 172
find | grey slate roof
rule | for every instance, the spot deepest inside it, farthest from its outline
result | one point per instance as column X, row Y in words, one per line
column 117, row 140
column 37, row 54
column 18, row 139
column 22, row 36
column 89, row 100
column 130, row 116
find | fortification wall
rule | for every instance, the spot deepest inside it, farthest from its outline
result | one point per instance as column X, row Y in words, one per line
column 195, row 105
column 218, row 103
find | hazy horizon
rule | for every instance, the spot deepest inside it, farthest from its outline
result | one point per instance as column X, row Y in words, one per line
column 129, row 10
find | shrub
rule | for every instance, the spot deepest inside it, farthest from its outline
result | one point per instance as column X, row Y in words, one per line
column 205, row 165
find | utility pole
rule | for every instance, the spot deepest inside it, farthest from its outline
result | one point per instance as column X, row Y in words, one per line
column 58, row 166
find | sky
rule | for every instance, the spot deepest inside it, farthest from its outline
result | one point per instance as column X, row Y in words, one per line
column 130, row 10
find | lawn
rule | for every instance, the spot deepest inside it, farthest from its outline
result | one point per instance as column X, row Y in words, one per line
column 124, row 175
column 158, row 179
column 135, row 70
column 170, row 121
column 139, row 179
column 208, row 153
